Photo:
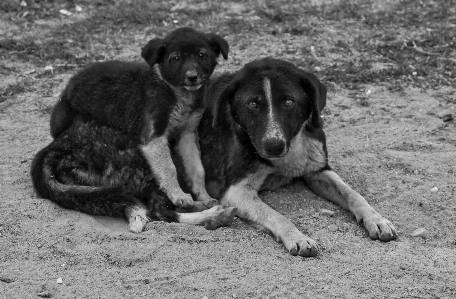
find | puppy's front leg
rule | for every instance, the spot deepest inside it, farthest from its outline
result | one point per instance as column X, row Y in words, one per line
column 158, row 155
column 330, row 186
column 188, row 150
column 243, row 196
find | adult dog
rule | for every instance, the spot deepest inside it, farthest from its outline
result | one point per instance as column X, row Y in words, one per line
column 109, row 110
column 263, row 128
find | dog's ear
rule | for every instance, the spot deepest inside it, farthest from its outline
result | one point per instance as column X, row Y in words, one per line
column 219, row 45
column 317, row 95
column 218, row 92
column 153, row 52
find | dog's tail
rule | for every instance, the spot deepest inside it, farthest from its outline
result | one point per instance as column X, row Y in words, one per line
column 101, row 201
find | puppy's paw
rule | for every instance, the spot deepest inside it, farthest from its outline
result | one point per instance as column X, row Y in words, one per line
column 207, row 201
column 378, row 227
column 137, row 223
column 182, row 200
column 221, row 216
column 299, row 244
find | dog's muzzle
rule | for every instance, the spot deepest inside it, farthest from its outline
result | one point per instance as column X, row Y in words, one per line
column 192, row 80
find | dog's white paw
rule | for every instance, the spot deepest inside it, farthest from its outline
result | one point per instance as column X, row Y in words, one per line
column 207, row 201
column 137, row 223
column 182, row 200
column 222, row 216
column 378, row 227
column 299, row 244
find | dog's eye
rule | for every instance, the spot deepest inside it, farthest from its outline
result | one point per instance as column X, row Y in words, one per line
column 252, row 105
column 202, row 55
column 288, row 103
column 175, row 58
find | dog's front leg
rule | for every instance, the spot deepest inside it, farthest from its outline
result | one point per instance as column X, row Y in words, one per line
column 244, row 197
column 159, row 158
column 189, row 152
column 330, row 186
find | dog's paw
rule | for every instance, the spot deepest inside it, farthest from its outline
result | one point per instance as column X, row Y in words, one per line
column 378, row 227
column 182, row 200
column 207, row 201
column 299, row 244
column 221, row 216
column 137, row 223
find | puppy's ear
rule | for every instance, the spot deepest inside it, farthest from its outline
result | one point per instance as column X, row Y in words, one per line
column 218, row 93
column 219, row 45
column 153, row 52
column 317, row 95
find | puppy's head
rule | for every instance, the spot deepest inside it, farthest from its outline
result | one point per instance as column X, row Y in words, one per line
column 186, row 58
column 271, row 100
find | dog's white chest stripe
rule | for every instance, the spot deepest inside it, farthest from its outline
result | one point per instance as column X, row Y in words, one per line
column 273, row 129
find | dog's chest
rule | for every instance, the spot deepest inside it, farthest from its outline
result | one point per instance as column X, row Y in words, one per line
column 305, row 155
column 185, row 115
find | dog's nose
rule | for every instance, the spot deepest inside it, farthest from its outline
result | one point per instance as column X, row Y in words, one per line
column 274, row 147
column 191, row 76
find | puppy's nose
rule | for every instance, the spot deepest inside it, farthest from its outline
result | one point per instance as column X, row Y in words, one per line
column 274, row 147
column 191, row 76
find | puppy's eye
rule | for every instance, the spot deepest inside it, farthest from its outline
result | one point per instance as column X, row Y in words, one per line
column 175, row 58
column 202, row 55
column 289, row 103
column 252, row 105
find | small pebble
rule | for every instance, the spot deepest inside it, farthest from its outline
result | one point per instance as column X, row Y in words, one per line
column 317, row 68
column 403, row 266
column 414, row 73
column 44, row 294
column 65, row 12
column 59, row 280
column 419, row 232
column 326, row 212
column 434, row 190
column 333, row 228
column 447, row 117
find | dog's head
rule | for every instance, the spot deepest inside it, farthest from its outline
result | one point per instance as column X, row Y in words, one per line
column 185, row 58
column 269, row 99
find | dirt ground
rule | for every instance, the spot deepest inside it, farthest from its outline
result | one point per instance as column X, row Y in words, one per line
column 390, row 70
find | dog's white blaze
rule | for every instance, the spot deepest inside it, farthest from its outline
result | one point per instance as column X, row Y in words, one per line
column 273, row 129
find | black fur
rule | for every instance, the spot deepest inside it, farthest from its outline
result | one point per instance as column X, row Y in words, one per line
column 96, row 169
column 107, row 111
column 131, row 96
column 228, row 130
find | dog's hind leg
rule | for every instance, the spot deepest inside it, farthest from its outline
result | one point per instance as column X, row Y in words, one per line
column 137, row 218
column 212, row 218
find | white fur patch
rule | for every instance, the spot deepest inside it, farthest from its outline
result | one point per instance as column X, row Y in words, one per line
column 159, row 158
column 193, row 87
column 273, row 129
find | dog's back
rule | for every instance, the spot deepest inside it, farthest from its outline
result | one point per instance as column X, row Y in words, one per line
column 129, row 95
column 117, row 94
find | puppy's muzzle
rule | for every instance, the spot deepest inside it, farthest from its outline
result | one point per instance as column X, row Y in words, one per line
column 192, row 80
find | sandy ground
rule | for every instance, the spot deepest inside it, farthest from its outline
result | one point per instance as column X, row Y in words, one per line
column 393, row 148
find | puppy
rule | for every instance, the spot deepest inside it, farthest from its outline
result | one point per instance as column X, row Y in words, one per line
column 100, row 170
column 131, row 105
column 161, row 103
column 262, row 129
